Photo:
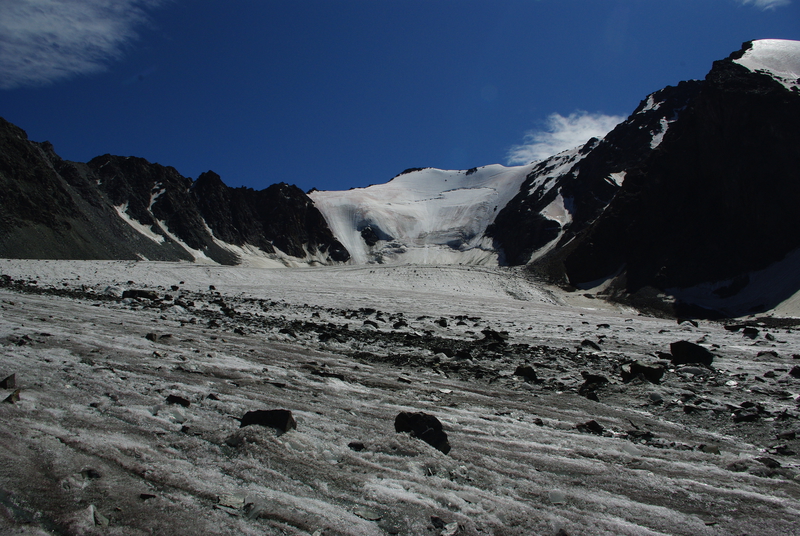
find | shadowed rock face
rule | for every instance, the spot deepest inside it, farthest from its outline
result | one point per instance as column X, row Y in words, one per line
column 715, row 200
column 279, row 216
column 520, row 228
column 56, row 209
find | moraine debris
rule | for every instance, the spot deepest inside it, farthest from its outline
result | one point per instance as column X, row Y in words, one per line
column 139, row 294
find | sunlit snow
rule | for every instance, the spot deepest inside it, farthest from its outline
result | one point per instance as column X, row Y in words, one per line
column 426, row 216
column 779, row 58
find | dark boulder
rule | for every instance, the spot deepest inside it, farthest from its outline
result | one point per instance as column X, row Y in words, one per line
column 590, row 344
column 10, row 382
column 750, row 332
column 280, row 419
column 591, row 382
column 591, row 427
column 527, row 373
column 746, row 415
column 423, row 426
column 138, row 294
column 651, row 373
column 685, row 352
column 179, row 400
column 492, row 336
column 13, row 398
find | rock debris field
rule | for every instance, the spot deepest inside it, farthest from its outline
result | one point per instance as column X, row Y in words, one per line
column 175, row 398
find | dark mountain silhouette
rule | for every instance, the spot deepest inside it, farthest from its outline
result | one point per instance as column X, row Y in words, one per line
column 128, row 208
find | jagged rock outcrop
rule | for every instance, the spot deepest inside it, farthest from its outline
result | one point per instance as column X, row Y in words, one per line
column 564, row 194
column 279, row 216
column 128, row 208
column 50, row 208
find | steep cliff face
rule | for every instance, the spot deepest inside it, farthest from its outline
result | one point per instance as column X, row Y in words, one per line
column 564, row 194
column 279, row 216
column 128, row 208
column 50, row 208
column 715, row 200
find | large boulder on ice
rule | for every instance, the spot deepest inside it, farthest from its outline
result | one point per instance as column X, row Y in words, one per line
column 685, row 352
column 651, row 373
column 280, row 419
column 423, row 426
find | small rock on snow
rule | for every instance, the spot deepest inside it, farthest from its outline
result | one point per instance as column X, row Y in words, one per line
column 592, row 427
column 366, row 513
column 175, row 399
column 527, row 372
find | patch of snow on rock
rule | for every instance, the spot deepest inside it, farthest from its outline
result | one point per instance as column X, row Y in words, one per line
column 145, row 230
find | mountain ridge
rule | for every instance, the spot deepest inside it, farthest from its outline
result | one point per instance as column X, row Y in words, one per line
column 694, row 188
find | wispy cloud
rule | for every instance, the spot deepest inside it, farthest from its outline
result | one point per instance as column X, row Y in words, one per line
column 561, row 133
column 42, row 41
column 765, row 4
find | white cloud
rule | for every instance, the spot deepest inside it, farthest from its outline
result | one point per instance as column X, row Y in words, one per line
column 42, row 41
column 562, row 133
column 766, row 4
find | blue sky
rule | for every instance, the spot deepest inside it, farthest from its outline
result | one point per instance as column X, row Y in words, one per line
column 336, row 94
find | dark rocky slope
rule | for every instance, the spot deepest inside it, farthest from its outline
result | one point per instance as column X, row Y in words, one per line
column 584, row 180
column 52, row 208
column 715, row 201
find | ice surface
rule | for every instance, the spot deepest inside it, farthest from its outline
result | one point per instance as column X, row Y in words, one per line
column 94, row 394
column 779, row 58
column 428, row 216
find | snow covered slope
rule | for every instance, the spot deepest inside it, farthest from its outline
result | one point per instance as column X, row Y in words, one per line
column 778, row 58
column 423, row 216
